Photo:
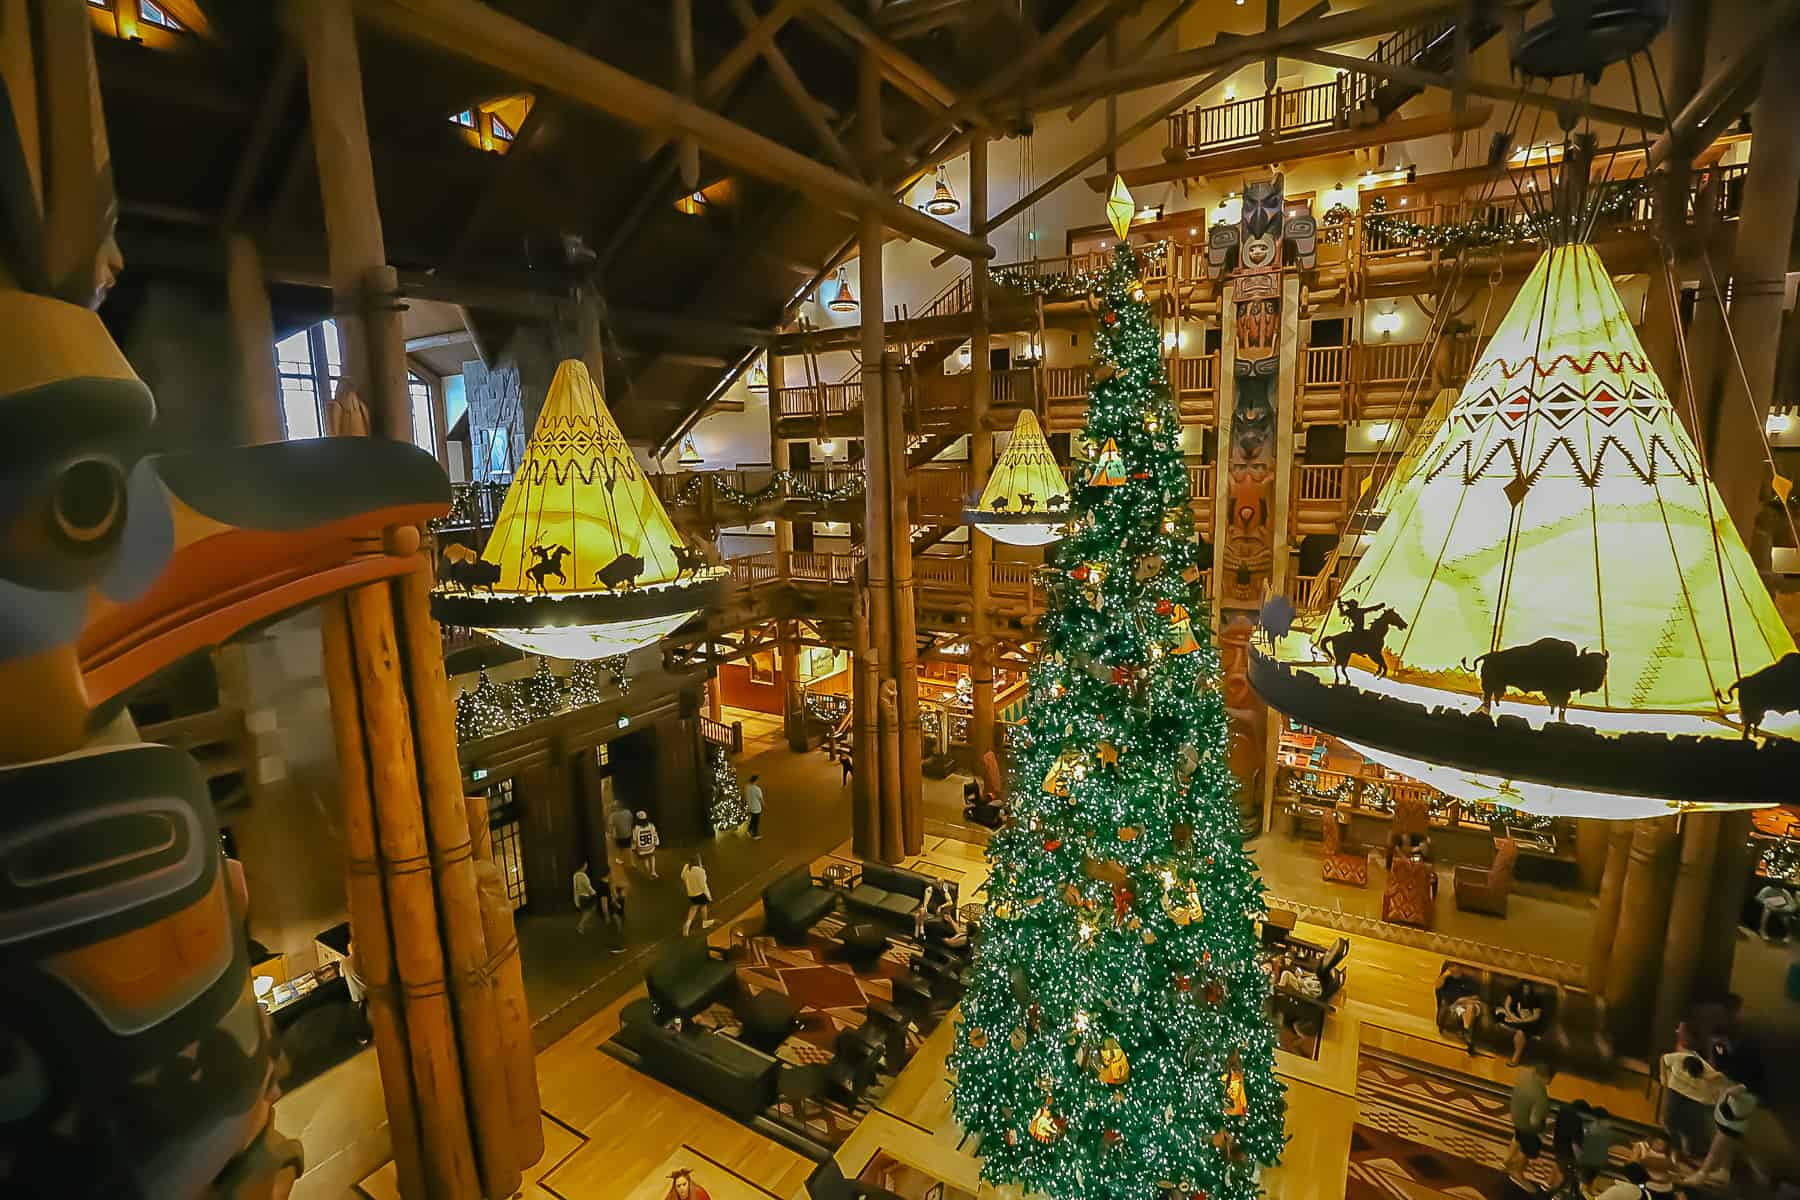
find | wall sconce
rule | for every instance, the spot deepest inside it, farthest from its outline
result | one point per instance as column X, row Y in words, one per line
column 1380, row 431
column 1385, row 322
column 1780, row 423
column 828, row 446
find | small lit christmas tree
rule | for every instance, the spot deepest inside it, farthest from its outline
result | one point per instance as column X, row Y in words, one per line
column 728, row 810
column 1114, row 1043
column 542, row 694
column 583, row 685
column 490, row 709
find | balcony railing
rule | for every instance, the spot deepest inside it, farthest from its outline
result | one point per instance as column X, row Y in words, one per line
column 1198, row 375
column 1320, row 484
column 1279, row 114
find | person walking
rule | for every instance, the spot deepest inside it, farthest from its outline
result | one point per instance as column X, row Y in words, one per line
column 644, row 841
column 699, row 894
column 618, row 823
column 1731, row 1117
column 1691, row 1087
column 613, row 896
column 584, row 897
column 1530, row 1107
column 753, row 796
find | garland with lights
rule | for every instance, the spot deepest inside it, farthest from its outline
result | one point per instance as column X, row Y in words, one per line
column 1114, row 1041
column 783, row 485
column 1781, row 860
column 728, row 809
column 1616, row 199
column 1066, row 285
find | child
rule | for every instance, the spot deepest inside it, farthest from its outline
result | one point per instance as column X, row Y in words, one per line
column 699, row 894
column 644, row 841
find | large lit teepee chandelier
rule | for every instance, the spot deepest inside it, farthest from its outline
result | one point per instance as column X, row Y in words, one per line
column 583, row 562
column 1555, row 612
column 1026, row 497
column 842, row 299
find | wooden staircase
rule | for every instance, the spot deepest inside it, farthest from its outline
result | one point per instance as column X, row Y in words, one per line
column 1427, row 47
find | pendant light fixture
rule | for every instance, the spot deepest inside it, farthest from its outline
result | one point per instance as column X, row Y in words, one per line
column 689, row 453
column 584, row 562
column 1026, row 501
column 842, row 299
column 1556, row 613
column 758, row 378
column 943, row 201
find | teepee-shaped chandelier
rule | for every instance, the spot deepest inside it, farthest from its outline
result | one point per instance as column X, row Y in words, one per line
column 583, row 562
column 1025, row 492
column 1555, row 612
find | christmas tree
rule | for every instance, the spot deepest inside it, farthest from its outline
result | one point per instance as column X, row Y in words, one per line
column 1114, row 1043
column 584, row 685
column 728, row 809
column 542, row 694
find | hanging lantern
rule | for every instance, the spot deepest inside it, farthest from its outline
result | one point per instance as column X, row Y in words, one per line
column 1025, row 497
column 1237, row 1100
column 1120, row 208
column 843, row 299
column 1553, row 550
column 1109, row 467
column 689, row 453
column 758, row 378
column 1045, row 1126
column 583, row 562
column 943, row 201
column 1113, row 1067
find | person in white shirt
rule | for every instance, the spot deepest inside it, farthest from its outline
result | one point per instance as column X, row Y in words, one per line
column 699, row 894
column 1731, row 1116
column 358, row 989
column 1690, row 1090
column 644, row 841
column 753, row 796
column 1633, row 1187
column 584, row 897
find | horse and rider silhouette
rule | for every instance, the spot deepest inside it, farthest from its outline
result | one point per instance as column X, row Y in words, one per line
column 1361, row 638
column 546, row 563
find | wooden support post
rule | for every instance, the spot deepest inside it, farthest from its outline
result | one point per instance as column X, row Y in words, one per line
column 447, row 826
column 590, row 318
column 383, row 756
column 981, row 465
column 502, row 938
column 1643, row 915
column 369, row 921
column 865, row 734
column 906, row 621
column 1606, row 906
column 253, row 338
column 362, row 284
column 1687, row 924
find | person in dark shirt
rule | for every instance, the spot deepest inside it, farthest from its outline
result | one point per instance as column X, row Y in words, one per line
column 1522, row 1011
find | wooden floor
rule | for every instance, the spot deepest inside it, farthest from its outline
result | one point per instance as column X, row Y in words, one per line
column 611, row 1131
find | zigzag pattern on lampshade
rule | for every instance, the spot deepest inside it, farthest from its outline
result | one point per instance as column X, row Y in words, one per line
column 1026, row 476
column 1562, row 497
column 579, row 487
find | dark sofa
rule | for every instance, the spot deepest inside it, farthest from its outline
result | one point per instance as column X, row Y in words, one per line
column 794, row 903
column 685, row 979
column 1575, row 1033
column 721, row 1071
column 889, row 894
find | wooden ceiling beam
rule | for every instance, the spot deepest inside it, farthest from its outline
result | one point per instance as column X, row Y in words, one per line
column 1475, row 87
column 472, row 30
column 725, row 74
column 809, row 109
column 900, row 68
column 1146, row 44
column 1722, row 97
column 277, row 97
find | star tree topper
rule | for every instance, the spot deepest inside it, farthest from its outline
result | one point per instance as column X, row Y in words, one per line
column 1120, row 207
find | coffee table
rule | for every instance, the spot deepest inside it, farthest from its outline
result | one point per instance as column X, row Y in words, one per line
column 768, row 1018
column 863, row 945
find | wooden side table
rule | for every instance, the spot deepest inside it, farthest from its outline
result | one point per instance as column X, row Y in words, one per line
column 838, row 875
column 746, row 943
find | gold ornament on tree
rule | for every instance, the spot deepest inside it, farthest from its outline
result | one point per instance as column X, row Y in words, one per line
column 1046, row 1126
column 1237, row 1101
column 1113, row 1067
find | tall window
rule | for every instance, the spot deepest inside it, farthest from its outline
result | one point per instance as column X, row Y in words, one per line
column 148, row 11
column 309, row 363
column 424, row 432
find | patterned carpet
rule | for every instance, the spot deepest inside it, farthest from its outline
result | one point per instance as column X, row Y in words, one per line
column 832, row 998
column 1443, row 1131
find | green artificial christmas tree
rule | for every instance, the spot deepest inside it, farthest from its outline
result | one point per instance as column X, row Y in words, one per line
column 489, row 709
column 728, row 809
column 584, row 685
column 1114, row 1043
column 542, row 695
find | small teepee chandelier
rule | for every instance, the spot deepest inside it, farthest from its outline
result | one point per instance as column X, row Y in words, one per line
column 943, row 202
column 1025, row 495
column 758, row 378
column 583, row 562
column 842, row 298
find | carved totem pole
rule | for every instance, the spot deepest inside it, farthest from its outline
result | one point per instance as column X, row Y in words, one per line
column 1255, row 257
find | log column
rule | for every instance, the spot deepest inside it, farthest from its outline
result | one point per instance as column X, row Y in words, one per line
column 793, row 713
column 884, row 768
column 906, row 620
column 981, row 465
column 253, row 338
column 1606, row 906
column 1643, row 915
column 364, row 288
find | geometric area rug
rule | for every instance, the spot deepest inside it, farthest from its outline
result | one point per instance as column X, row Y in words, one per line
column 1385, row 1166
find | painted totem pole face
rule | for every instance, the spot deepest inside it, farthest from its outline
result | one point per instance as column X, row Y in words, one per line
column 1259, row 246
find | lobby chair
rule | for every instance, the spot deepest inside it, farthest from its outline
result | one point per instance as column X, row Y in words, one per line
column 1410, row 898
column 1342, row 863
column 1485, row 891
column 801, row 1085
column 1412, row 820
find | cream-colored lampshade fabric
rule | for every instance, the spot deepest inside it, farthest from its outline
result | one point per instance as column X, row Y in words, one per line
column 1562, row 497
column 1026, row 469
column 579, row 487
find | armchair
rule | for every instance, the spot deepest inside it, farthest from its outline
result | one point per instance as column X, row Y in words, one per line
column 1342, row 864
column 1486, row 891
column 793, row 904
column 1411, row 895
column 686, row 979
column 1411, row 823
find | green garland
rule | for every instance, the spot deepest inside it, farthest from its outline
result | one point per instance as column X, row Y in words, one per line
column 1781, row 860
column 1068, row 285
column 1450, row 237
column 783, row 485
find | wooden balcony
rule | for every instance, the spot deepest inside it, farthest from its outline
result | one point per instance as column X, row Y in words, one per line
column 1194, row 381
column 937, row 402
column 1319, row 500
column 1324, row 394
column 1280, row 114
